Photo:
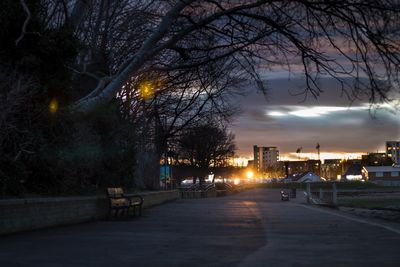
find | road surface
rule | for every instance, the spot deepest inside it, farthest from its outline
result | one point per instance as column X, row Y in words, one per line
column 253, row 228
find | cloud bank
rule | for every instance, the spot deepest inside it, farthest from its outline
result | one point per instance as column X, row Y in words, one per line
column 289, row 121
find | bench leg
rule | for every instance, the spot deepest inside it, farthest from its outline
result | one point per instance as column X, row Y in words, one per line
column 126, row 212
column 116, row 213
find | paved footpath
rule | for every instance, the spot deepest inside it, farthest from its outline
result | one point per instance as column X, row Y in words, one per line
column 253, row 228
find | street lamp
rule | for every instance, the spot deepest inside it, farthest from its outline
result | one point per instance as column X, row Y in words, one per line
column 146, row 90
column 53, row 106
column 249, row 174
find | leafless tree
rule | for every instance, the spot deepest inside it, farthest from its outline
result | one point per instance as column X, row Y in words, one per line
column 16, row 136
column 336, row 38
column 126, row 42
column 182, row 100
column 126, row 38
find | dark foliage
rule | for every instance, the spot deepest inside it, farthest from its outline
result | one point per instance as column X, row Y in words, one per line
column 205, row 145
column 44, row 150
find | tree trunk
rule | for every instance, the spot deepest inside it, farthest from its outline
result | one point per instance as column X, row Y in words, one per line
column 147, row 172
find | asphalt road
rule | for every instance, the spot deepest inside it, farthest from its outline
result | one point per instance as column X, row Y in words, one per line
column 253, row 228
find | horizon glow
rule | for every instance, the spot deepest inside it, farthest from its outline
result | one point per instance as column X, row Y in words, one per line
column 242, row 161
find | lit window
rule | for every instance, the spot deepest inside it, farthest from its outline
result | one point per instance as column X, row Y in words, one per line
column 394, row 174
column 379, row 174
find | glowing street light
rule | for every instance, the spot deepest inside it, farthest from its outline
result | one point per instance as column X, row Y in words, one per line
column 53, row 106
column 249, row 174
column 146, row 90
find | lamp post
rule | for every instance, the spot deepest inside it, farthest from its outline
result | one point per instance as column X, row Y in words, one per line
column 144, row 154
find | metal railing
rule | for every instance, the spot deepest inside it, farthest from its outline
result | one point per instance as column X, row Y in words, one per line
column 196, row 190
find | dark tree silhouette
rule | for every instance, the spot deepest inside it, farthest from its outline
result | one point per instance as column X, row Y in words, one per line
column 89, row 54
column 334, row 38
column 206, row 145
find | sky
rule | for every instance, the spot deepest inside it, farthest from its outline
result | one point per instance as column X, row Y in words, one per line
column 288, row 122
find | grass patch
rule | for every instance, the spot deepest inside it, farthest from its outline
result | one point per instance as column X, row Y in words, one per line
column 323, row 185
column 380, row 203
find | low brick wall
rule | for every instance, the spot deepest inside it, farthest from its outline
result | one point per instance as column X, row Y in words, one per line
column 18, row 215
column 198, row 194
column 156, row 198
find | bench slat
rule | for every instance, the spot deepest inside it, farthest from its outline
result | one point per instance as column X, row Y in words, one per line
column 120, row 202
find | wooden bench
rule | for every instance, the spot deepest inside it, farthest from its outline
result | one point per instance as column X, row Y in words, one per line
column 121, row 204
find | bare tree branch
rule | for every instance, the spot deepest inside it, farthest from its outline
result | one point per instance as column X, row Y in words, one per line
column 28, row 17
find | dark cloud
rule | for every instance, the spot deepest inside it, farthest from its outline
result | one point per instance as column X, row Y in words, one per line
column 339, row 125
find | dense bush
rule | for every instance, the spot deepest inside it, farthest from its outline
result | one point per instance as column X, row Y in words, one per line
column 43, row 149
column 48, row 153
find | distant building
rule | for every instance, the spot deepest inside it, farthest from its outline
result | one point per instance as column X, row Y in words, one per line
column 393, row 151
column 314, row 166
column 376, row 159
column 383, row 175
column 265, row 157
column 301, row 166
column 303, row 177
column 332, row 169
column 333, row 161
column 297, row 166
column 250, row 163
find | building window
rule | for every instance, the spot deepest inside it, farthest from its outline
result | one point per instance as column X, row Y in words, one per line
column 379, row 174
column 394, row 174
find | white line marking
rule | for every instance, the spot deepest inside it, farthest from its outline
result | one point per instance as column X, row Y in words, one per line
column 397, row 231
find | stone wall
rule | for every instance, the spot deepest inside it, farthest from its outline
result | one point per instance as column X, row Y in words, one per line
column 198, row 194
column 18, row 215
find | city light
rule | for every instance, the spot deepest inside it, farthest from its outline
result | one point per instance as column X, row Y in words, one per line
column 53, row 106
column 240, row 161
column 210, row 177
column 354, row 177
column 249, row 174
